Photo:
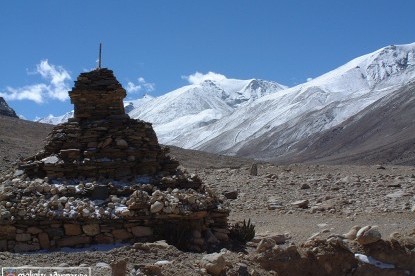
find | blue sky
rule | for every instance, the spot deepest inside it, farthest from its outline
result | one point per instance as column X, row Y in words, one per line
column 153, row 44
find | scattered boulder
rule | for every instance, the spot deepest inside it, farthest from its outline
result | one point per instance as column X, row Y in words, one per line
column 368, row 235
column 254, row 169
column 351, row 235
column 119, row 268
column 305, row 186
column 214, row 263
column 265, row 244
column 231, row 194
column 278, row 238
column 301, row 203
column 156, row 207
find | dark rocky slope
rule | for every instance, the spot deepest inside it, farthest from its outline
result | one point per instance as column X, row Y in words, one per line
column 384, row 132
column 5, row 109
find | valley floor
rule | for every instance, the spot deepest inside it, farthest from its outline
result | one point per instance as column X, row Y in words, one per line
column 297, row 200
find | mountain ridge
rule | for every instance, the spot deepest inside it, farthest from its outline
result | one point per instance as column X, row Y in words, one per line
column 266, row 120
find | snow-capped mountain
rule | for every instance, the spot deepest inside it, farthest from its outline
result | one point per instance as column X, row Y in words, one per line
column 266, row 120
column 268, row 127
column 384, row 131
column 54, row 120
column 194, row 106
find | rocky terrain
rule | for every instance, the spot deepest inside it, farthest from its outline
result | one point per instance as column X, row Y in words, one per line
column 300, row 212
column 5, row 109
column 20, row 139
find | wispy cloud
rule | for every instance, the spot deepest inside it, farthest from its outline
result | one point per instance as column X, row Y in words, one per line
column 198, row 77
column 140, row 85
column 55, row 88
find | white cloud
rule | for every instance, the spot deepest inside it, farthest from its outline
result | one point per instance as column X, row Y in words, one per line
column 198, row 77
column 139, row 86
column 56, row 87
column 132, row 88
column 309, row 79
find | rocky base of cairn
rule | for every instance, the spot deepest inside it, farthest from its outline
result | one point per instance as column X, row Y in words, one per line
column 117, row 147
column 46, row 214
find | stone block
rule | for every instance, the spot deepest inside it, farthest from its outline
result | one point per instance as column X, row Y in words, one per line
column 102, row 238
column 142, row 231
column 34, row 230
column 72, row 229
column 3, row 245
column 75, row 240
column 24, row 247
column 91, row 229
column 55, row 232
column 7, row 232
column 121, row 234
column 23, row 237
column 44, row 240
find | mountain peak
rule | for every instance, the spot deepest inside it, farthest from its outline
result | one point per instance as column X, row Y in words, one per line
column 6, row 110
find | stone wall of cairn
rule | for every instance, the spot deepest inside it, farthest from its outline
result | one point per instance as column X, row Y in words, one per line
column 103, row 178
column 97, row 94
column 40, row 213
column 116, row 147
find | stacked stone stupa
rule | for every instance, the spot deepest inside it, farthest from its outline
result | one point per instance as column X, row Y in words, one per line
column 103, row 178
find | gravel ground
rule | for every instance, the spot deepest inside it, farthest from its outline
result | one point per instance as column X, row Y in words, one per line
column 299, row 200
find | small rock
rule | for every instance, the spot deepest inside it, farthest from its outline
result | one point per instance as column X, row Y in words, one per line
column 278, row 238
column 63, row 199
column 163, row 262
column 161, row 244
column 301, row 203
column 351, row 235
column 119, row 267
column 18, row 173
column 51, row 160
column 394, row 185
column 102, row 265
column 265, row 244
column 214, row 263
column 121, row 143
column 156, row 207
column 368, row 235
column 254, row 170
column 305, row 186
column 141, row 246
column 231, row 194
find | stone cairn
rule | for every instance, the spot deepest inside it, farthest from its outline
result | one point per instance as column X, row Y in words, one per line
column 103, row 178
